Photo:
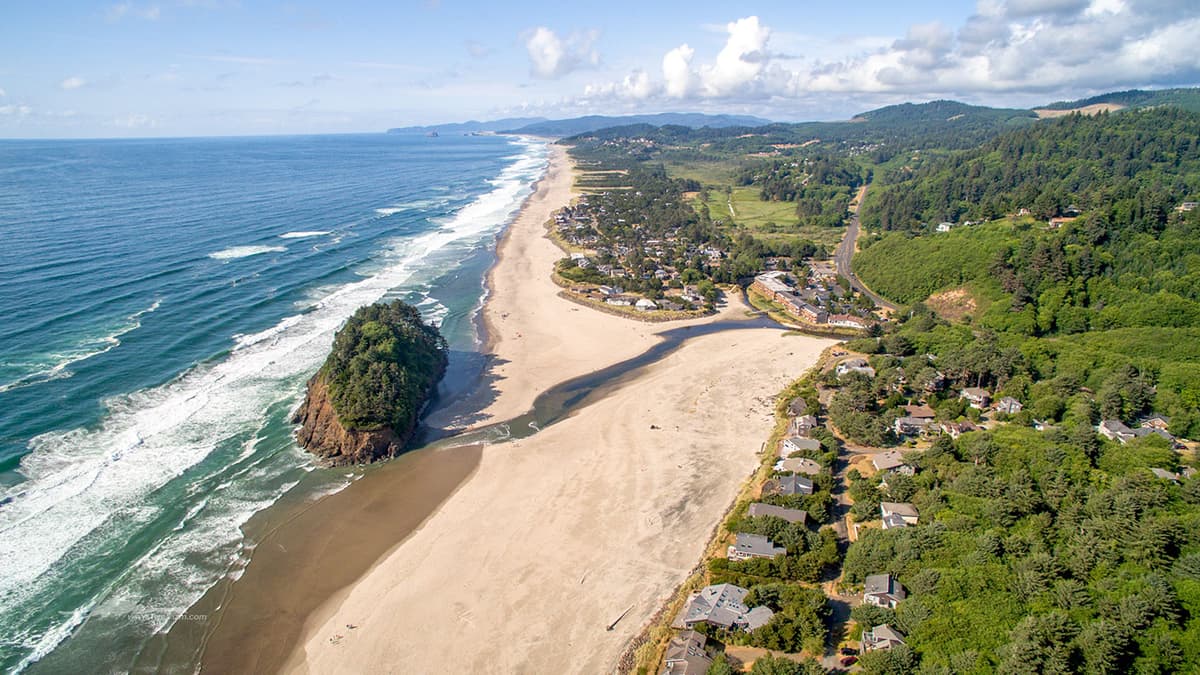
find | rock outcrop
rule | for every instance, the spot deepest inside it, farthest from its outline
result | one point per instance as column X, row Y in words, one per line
column 323, row 435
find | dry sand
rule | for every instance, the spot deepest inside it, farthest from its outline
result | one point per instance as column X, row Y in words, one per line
column 553, row 537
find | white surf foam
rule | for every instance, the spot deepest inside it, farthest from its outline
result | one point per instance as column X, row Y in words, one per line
column 56, row 365
column 235, row 252
column 79, row 480
column 304, row 234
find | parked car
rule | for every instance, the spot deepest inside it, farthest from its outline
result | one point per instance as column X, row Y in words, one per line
column 849, row 661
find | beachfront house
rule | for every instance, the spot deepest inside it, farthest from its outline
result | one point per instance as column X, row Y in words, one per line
column 793, row 484
column 686, row 655
column 798, row 444
column 802, row 465
column 746, row 546
column 802, row 425
column 956, row 429
column 897, row 514
column 721, row 606
column 794, row 516
column 881, row 637
column 646, row 305
column 855, row 366
column 797, row 406
column 882, row 590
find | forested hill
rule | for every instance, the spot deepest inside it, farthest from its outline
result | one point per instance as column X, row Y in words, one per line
column 1189, row 99
column 1129, row 168
column 883, row 132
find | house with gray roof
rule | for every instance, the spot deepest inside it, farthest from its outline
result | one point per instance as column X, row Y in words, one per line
column 891, row 461
column 802, row 465
column 897, row 514
column 882, row 590
column 912, row 426
column 794, row 516
column 721, row 606
column 1164, row 474
column 803, row 425
column 798, row 406
column 793, row 485
column 881, row 637
column 798, row 444
column 1009, row 405
column 856, row 365
column 686, row 655
column 747, row 546
column 976, row 397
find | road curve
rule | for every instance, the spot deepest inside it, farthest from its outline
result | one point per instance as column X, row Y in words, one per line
column 845, row 252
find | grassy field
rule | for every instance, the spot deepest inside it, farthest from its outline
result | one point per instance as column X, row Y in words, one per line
column 712, row 174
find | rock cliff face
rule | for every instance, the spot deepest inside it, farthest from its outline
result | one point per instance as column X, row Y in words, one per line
column 323, row 435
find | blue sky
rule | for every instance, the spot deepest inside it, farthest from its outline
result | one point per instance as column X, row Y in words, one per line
column 211, row 67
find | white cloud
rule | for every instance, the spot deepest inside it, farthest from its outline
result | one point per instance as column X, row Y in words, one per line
column 741, row 60
column 678, row 77
column 551, row 56
column 1014, row 47
column 73, row 82
column 15, row 110
column 3, row 93
column 134, row 121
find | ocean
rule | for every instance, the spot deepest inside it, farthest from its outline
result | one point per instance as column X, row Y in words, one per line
column 162, row 303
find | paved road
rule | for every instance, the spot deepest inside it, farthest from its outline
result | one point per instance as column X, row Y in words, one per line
column 845, row 251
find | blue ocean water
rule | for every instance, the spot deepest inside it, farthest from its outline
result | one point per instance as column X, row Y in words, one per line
column 162, row 303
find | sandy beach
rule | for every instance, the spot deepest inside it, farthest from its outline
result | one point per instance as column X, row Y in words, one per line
column 524, row 552
column 553, row 537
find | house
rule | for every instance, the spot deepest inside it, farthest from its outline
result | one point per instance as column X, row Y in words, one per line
column 797, row 406
column 882, row 590
column 794, row 484
column 721, row 606
column 609, row 290
column 798, row 465
column 798, row 444
column 849, row 321
column 891, row 461
column 1059, row 221
column 855, row 366
column 919, row 411
column 746, row 546
column 897, row 514
column 1009, row 405
column 976, row 397
column 1164, row 474
column 945, row 227
column 803, row 425
column 686, row 655
column 881, row 637
column 1187, row 206
column 813, row 314
column 620, row 301
column 1156, row 421
column 956, row 429
column 936, row 383
column 794, row 516
column 1115, row 430
column 911, row 426
column 646, row 305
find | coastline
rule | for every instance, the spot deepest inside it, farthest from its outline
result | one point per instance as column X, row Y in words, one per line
column 481, row 576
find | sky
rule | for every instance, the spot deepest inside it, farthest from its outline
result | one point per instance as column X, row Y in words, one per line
column 75, row 68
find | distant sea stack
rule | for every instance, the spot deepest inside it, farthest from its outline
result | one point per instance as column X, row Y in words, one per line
column 364, row 402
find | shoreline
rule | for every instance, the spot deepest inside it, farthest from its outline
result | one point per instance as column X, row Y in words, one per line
column 480, row 551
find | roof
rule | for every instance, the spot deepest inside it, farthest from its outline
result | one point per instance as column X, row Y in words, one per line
column 919, row 411
column 720, row 605
column 1164, row 474
column 798, row 465
column 899, row 508
column 801, row 443
column 758, row 617
column 797, row 406
column 976, row 392
column 892, row 520
column 917, row 422
column 886, row 632
column 759, row 509
column 884, row 584
column 757, row 545
column 889, row 459
column 687, row 648
column 795, row 484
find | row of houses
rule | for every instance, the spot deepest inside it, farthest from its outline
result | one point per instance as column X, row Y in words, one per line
column 1156, row 425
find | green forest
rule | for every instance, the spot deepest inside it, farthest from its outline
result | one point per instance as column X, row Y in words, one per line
column 384, row 366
